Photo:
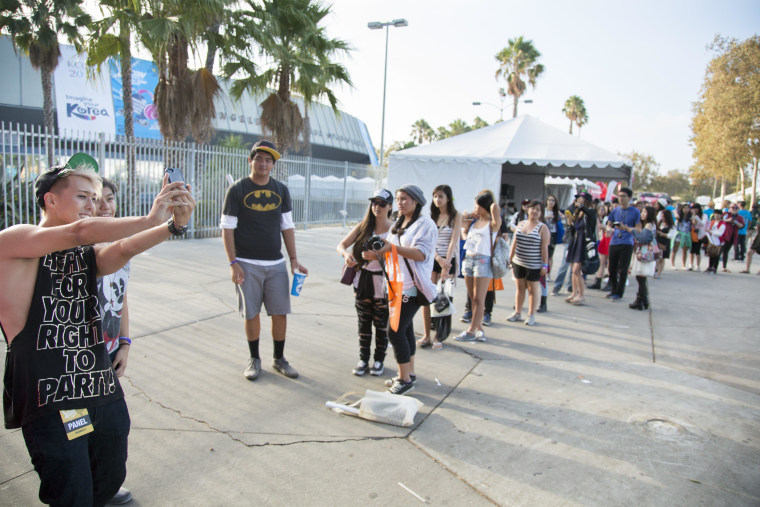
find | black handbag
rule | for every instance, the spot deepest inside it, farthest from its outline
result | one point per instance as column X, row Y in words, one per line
column 420, row 298
column 347, row 277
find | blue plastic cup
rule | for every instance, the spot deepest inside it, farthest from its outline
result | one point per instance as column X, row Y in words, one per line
column 298, row 280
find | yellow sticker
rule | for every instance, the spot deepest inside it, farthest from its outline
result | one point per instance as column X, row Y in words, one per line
column 76, row 422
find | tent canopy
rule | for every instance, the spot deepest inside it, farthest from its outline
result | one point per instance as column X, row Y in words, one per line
column 513, row 155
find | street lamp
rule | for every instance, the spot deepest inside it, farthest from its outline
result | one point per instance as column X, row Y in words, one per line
column 377, row 25
column 501, row 108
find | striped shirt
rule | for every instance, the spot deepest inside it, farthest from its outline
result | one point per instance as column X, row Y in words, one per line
column 528, row 247
column 444, row 238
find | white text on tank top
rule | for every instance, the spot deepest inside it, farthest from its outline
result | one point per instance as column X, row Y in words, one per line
column 477, row 243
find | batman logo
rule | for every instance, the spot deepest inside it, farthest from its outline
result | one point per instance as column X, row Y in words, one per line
column 262, row 200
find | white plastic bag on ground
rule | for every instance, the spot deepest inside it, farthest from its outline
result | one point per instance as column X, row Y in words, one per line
column 382, row 407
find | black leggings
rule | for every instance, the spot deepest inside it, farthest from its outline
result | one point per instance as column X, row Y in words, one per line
column 404, row 345
column 726, row 248
column 714, row 262
column 372, row 311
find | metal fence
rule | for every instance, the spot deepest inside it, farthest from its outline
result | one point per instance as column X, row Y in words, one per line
column 322, row 191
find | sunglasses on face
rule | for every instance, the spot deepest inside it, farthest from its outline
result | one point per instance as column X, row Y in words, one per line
column 380, row 204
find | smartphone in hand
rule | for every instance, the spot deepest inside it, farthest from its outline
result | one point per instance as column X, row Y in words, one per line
column 174, row 175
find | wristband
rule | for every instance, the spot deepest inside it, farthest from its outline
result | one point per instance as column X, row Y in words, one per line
column 545, row 266
column 233, row 262
column 129, row 342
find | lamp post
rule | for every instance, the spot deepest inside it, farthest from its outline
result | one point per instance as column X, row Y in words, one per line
column 501, row 108
column 377, row 25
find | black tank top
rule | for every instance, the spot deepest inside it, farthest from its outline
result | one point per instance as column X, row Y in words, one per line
column 59, row 360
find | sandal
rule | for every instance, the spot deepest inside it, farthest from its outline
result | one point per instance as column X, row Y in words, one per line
column 423, row 342
column 437, row 345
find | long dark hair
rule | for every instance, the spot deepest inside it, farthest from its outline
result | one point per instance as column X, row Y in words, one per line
column 651, row 215
column 555, row 209
column 485, row 199
column 397, row 229
column 366, row 230
column 684, row 217
column 697, row 207
column 450, row 209
column 667, row 217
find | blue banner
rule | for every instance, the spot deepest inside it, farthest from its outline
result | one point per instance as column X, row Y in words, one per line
column 144, row 81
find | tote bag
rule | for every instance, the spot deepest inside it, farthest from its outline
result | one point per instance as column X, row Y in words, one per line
column 395, row 287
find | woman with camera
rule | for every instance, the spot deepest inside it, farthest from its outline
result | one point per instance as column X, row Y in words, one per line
column 371, row 301
column 480, row 228
column 449, row 223
column 414, row 236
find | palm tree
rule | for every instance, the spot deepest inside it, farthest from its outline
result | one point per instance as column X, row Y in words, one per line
column 458, row 126
column 517, row 63
column 184, row 98
column 34, row 27
column 422, row 131
column 575, row 109
column 297, row 53
column 479, row 123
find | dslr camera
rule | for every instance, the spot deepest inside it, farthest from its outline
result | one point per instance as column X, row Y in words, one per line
column 374, row 243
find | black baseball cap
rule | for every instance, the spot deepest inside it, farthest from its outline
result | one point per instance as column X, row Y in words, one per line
column 266, row 146
column 382, row 194
column 585, row 195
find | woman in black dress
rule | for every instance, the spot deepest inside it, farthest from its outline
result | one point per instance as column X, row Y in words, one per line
column 583, row 226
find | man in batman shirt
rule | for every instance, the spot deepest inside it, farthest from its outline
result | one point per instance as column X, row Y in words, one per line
column 257, row 214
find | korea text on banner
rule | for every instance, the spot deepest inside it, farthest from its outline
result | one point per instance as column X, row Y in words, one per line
column 82, row 104
column 144, row 81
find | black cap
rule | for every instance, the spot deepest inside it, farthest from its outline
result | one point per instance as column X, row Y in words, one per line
column 266, row 146
column 585, row 195
column 382, row 195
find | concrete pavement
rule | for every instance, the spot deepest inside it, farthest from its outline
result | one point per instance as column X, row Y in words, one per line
column 596, row 405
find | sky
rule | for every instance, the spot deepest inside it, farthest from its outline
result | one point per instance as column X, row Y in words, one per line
column 638, row 65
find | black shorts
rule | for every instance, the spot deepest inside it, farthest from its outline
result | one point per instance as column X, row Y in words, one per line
column 531, row 275
column 696, row 246
column 437, row 267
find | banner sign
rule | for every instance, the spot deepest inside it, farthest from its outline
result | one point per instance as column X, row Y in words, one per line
column 144, row 81
column 82, row 104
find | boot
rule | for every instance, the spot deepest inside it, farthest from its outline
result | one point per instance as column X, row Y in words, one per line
column 542, row 306
column 636, row 305
column 596, row 285
column 645, row 301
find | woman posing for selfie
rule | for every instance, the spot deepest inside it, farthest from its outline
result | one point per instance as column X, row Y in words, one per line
column 371, row 301
column 449, row 223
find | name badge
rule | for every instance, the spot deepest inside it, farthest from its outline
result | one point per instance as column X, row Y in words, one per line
column 76, row 422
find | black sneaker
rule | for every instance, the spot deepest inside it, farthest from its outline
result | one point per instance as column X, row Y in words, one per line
column 401, row 387
column 390, row 381
column 377, row 368
column 361, row 369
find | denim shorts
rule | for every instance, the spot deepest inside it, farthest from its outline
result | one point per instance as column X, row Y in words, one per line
column 477, row 266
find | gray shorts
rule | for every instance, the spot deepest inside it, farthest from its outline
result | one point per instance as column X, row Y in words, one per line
column 267, row 284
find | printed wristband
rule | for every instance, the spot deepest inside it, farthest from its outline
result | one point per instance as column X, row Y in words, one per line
column 233, row 262
column 124, row 338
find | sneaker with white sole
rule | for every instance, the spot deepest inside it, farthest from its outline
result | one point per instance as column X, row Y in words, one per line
column 253, row 370
column 401, row 387
column 486, row 319
column 515, row 317
column 464, row 336
column 531, row 321
column 466, row 317
column 377, row 369
column 361, row 368
column 390, row 381
column 480, row 335
column 283, row 366
column 121, row 497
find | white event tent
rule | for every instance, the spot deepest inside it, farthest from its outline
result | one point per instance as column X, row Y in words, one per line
column 512, row 158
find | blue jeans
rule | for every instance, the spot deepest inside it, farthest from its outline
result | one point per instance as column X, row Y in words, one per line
column 87, row 470
column 559, row 280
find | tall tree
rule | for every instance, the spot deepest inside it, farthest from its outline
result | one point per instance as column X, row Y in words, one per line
column 518, row 63
column 727, row 114
column 479, row 123
column 297, row 55
column 34, row 27
column 458, row 126
column 184, row 98
column 422, row 131
column 575, row 110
